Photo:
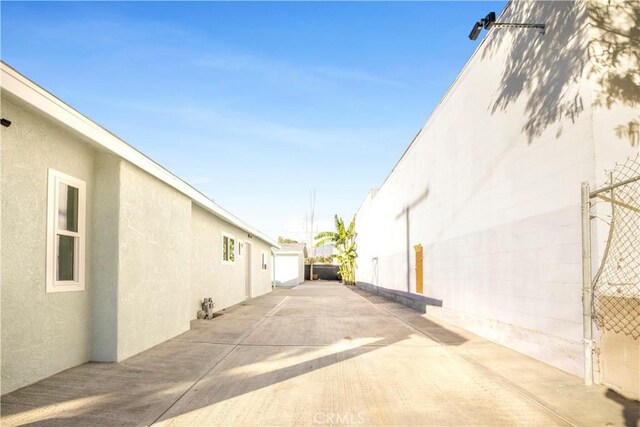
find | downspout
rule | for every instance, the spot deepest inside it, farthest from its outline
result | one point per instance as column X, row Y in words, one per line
column 587, row 294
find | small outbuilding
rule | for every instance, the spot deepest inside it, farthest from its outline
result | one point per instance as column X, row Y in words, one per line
column 288, row 264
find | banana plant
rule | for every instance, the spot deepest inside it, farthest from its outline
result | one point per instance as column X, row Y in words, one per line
column 343, row 239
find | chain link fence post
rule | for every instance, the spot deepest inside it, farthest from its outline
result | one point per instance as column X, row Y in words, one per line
column 587, row 295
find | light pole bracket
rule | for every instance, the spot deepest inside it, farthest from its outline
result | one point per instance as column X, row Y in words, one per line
column 540, row 27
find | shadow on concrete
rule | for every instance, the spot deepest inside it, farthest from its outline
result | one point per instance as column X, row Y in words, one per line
column 630, row 408
column 142, row 389
column 598, row 40
column 431, row 329
column 415, row 301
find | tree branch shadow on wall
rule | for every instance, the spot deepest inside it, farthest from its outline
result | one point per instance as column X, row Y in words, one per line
column 615, row 60
column 548, row 69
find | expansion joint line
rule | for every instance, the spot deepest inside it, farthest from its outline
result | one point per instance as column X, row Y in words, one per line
column 488, row 372
column 215, row 365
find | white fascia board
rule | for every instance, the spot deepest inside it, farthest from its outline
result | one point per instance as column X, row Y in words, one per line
column 278, row 252
column 24, row 89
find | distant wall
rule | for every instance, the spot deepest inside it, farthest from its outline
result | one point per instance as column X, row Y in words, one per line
column 42, row 333
column 323, row 271
column 289, row 269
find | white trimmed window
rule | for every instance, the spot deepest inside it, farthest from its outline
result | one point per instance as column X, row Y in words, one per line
column 240, row 248
column 228, row 249
column 66, row 216
column 264, row 261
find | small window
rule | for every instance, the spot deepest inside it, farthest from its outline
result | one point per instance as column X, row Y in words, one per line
column 65, row 233
column 240, row 248
column 264, row 261
column 228, row 249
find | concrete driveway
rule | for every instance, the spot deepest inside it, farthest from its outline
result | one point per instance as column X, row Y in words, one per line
column 319, row 354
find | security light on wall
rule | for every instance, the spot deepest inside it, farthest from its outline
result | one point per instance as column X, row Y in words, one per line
column 489, row 22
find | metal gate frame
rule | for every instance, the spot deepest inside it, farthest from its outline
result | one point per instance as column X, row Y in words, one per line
column 588, row 280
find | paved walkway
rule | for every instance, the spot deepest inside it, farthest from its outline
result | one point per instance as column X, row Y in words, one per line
column 319, row 354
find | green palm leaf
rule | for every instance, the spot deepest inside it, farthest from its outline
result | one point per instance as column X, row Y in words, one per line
column 343, row 239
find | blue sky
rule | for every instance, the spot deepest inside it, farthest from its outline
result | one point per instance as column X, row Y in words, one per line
column 254, row 104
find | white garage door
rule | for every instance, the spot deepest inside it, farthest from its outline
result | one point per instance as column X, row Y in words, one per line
column 287, row 270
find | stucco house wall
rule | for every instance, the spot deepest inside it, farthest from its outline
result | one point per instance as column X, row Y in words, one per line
column 210, row 277
column 142, row 263
column 42, row 333
column 104, row 264
column 154, row 262
column 491, row 188
column 261, row 277
column 153, row 244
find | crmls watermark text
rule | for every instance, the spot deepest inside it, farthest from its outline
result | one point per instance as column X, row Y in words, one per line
column 339, row 418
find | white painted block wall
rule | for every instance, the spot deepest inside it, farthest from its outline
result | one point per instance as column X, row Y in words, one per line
column 491, row 188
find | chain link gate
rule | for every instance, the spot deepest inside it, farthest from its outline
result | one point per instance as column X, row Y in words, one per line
column 612, row 298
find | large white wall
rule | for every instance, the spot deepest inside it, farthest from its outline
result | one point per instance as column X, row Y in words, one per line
column 42, row 333
column 614, row 73
column 491, row 188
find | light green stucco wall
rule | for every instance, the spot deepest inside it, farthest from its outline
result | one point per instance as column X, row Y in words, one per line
column 142, row 244
column 261, row 279
column 42, row 333
column 210, row 277
column 154, row 262
column 105, row 226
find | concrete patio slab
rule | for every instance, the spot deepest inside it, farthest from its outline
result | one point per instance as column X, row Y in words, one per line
column 327, row 306
column 298, row 357
column 229, row 329
column 129, row 393
column 348, row 381
column 305, row 331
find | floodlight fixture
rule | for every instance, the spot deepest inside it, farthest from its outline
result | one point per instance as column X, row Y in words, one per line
column 489, row 22
column 475, row 31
